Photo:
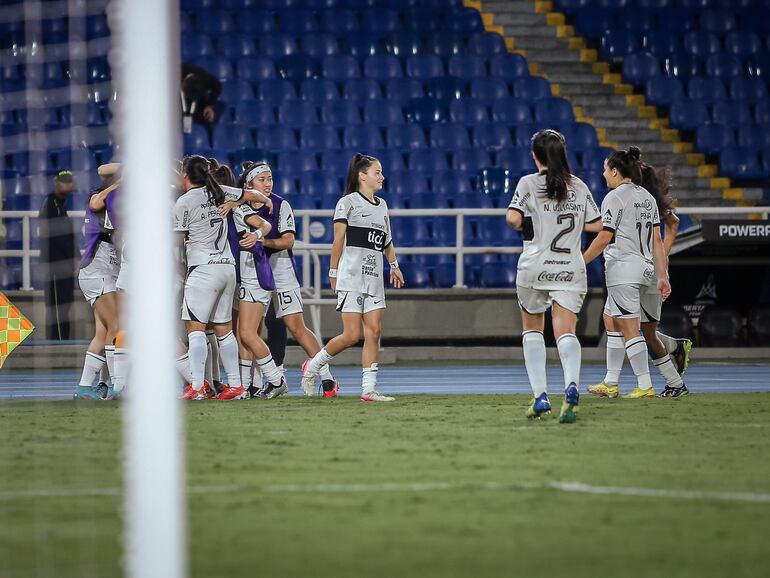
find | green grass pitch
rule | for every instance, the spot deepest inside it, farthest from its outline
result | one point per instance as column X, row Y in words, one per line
column 428, row 486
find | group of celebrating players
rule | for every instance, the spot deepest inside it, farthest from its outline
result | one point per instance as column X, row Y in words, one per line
column 235, row 259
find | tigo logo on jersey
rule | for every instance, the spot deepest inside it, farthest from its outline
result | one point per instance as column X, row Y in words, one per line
column 377, row 239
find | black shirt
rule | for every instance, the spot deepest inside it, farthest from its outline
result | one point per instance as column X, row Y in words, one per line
column 202, row 88
column 57, row 236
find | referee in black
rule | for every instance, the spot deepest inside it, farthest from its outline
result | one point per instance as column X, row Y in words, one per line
column 57, row 257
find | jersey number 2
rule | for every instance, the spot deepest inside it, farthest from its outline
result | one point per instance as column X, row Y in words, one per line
column 569, row 228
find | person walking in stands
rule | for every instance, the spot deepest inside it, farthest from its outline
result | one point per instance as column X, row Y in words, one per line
column 362, row 235
column 57, row 257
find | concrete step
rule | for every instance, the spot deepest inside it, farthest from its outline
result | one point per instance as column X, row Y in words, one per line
column 527, row 33
column 607, row 113
column 546, row 56
column 630, row 122
column 608, row 101
column 575, row 89
column 567, row 68
column 574, row 78
column 544, row 42
column 638, row 135
column 500, row 7
column 532, row 19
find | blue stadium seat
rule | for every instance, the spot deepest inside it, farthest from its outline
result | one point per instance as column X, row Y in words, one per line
column 445, row 87
column 292, row 163
column 218, row 66
column 451, row 183
column 256, row 22
column 234, row 47
column 749, row 89
column 336, row 161
column 662, row 43
column 339, row 23
column 237, row 91
column 511, row 111
column 466, row 66
column 464, row 20
column 445, row 45
column 382, row 67
column 363, row 138
column 741, row 164
column 580, row 136
column 255, row 113
column 496, row 183
column 517, row 160
column 489, row 89
column 215, row 23
column 286, row 186
column 762, row 112
column 362, row 89
column 706, row 89
column 54, row 30
column 426, row 111
column 297, row 67
column 508, row 66
column 712, row 137
column 487, row 44
column 553, row 111
column 765, row 159
column 759, row 64
column 428, row 161
column 318, row 90
column 195, row 46
column 450, row 137
column 255, row 69
column 688, row 115
column 97, row 26
column 724, row 65
column 468, row 111
column 594, row 22
column 391, row 160
column 319, row 138
column 639, row 67
column 297, row 22
column 297, row 113
column 595, row 182
column 402, row 89
column 731, row 113
column 664, row 91
column 406, row 137
column 362, row 47
column 491, row 136
column 318, row 184
column 470, row 160
column 277, row 45
column 404, row 43
column 753, row 136
column 319, row 45
column 681, row 65
column 234, row 137
column 617, row 44
column 421, row 18
column 276, row 138
column 276, row 91
column 341, row 67
column 593, row 158
column 497, row 275
column 636, row 19
column 701, row 44
column 531, row 88
column 379, row 20
column 717, row 21
column 383, row 113
column 197, row 140
column 340, row 113
column 743, row 44
column 424, row 66
column 406, row 183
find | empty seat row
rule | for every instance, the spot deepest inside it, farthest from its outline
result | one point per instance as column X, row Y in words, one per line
column 688, row 115
column 639, row 67
column 664, row 91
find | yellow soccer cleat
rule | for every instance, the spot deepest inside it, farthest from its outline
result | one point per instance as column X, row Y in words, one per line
column 603, row 390
column 639, row 393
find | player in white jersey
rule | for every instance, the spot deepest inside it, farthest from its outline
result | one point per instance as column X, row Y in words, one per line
column 210, row 283
column 287, row 298
column 669, row 355
column 361, row 235
column 552, row 207
column 635, row 260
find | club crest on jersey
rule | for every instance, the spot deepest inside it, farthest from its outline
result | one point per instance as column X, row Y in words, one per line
column 561, row 276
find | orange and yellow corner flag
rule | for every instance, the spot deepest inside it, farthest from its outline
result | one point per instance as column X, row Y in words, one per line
column 14, row 328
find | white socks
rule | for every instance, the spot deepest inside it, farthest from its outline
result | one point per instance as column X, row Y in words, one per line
column 636, row 350
column 668, row 371
column 570, row 355
column 668, row 342
column 212, row 339
column 245, row 365
column 92, row 367
column 270, row 370
column 197, row 351
column 326, row 373
column 616, row 353
column 369, row 378
column 120, row 364
column 109, row 354
column 321, row 358
column 228, row 351
column 183, row 367
column 533, row 345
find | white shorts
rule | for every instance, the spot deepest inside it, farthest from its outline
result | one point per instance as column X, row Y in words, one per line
column 633, row 300
column 122, row 282
column 352, row 302
column 101, row 274
column 287, row 302
column 208, row 294
column 252, row 293
column 536, row 301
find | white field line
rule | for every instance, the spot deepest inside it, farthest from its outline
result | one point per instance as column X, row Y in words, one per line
column 568, row 487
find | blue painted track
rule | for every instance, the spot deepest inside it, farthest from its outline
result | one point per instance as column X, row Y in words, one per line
column 438, row 379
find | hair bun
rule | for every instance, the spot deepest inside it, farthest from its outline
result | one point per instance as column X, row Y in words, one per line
column 634, row 153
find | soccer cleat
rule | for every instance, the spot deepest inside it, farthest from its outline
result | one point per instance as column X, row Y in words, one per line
column 681, row 355
column 204, row 393
column 569, row 406
column 330, row 388
column 113, row 394
column 540, row 406
column 253, row 392
column 603, row 389
column 103, row 390
column 376, row 396
column 228, row 392
column 639, row 393
column 271, row 391
column 87, row 392
column 218, row 387
column 308, row 379
column 669, row 391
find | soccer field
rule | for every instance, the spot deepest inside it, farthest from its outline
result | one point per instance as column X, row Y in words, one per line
column 431, row 485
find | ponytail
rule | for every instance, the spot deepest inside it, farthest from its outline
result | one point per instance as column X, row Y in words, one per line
column 549, row 148
column 200, row 172
column 627, row 163
column 358, row 164
column 658, row 183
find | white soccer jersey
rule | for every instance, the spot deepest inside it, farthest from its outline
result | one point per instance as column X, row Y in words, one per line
column 196, row 214
column 280, row 262
column 631, row 213
column 248, row 271
column 551, row 259
column 367, row 235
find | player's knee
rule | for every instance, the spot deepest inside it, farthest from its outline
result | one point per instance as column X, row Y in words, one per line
column 351, row 337
column 373, row 333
